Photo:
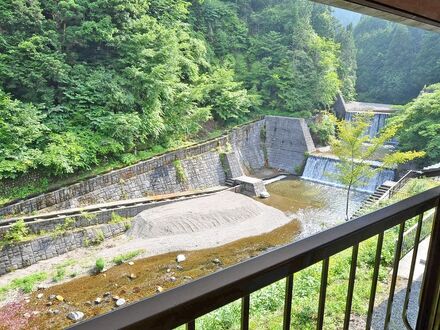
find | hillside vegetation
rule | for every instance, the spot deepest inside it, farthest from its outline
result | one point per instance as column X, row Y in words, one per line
column 394, row 61
column 90, row 85
column 87, row 80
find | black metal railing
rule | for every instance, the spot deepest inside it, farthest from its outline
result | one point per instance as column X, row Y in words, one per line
column 402, row 181
column 184, row 304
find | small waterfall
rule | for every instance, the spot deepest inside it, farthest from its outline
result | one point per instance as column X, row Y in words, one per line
column 323, row 170
column 377, row 123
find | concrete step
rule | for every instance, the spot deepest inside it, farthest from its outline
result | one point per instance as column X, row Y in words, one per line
column 229, row 182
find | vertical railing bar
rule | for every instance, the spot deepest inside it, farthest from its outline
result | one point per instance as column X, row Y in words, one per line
column 245, row 302
column 350, row 290
column 322, row 293
column 428, row 317
column 411, row 273
column 288, row 302
column 394, row 275
column 377, row 260
column 191, row 325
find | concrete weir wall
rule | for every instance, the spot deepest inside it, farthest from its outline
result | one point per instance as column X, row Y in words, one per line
column 277, row 142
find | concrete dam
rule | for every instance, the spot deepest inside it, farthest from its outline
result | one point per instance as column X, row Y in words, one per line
column 276, row 142
column 87, row 212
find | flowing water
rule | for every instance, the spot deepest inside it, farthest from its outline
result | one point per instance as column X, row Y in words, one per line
column 316, row 206
column 323, row 170
column 378, row 122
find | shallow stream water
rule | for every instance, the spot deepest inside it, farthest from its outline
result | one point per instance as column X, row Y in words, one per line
column 315, row 205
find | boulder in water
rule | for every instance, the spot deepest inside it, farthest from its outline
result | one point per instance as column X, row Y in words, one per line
column 264, row 194
column 75, row 316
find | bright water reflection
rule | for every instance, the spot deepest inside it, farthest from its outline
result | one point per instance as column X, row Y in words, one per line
column 317, row 206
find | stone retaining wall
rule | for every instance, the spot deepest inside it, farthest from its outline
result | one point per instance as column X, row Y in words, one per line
column 274, row 141
column 87, row 219
column 27, row 253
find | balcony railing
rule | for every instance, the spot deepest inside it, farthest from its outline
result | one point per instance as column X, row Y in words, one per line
column 184, row 304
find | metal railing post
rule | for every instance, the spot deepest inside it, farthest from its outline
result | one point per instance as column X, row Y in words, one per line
column 428, row 310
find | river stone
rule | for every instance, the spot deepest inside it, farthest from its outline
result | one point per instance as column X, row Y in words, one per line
column 264, row 194
column 75, row 316
column 120, row 302
column 180, row 258
column 217, row 261
column 98, row 300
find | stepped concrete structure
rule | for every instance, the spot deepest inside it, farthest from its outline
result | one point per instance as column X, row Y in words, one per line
column 346, row 110
column 99, row 208
column 276, row 142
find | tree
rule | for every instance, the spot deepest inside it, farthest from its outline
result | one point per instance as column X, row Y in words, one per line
column 405, row 59
column 421, row 122
column 355, row 150
column 20, row 130
column 110, row 77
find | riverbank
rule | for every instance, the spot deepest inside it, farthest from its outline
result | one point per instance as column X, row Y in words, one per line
column 132, row 282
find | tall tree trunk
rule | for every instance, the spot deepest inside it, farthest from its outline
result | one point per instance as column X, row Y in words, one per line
column 347, row 202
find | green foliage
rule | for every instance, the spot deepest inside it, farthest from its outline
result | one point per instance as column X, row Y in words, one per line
column 323, row 128
column 25, row 284
column 106, row 81
column 116, row 218
column 100, row 265
column 99, row 237
column 226, row 98
column 86, row 83
column 420, row 122
column 60, row 274
column 20, row 129
column 61, row 228
column 127, row 256
column 394, row 61
column 88, row 216
column 180, row 172
column 16, row 233
column 61, row 270
column 266, row 305
column 350, row 146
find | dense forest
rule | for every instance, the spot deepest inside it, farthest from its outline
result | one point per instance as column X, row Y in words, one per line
column 394, row 61
column 85, row 80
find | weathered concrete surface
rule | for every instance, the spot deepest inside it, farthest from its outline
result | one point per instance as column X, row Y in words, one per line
column 232, row 165
column 274, row 141
column 250, row 186
column 287, row 142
